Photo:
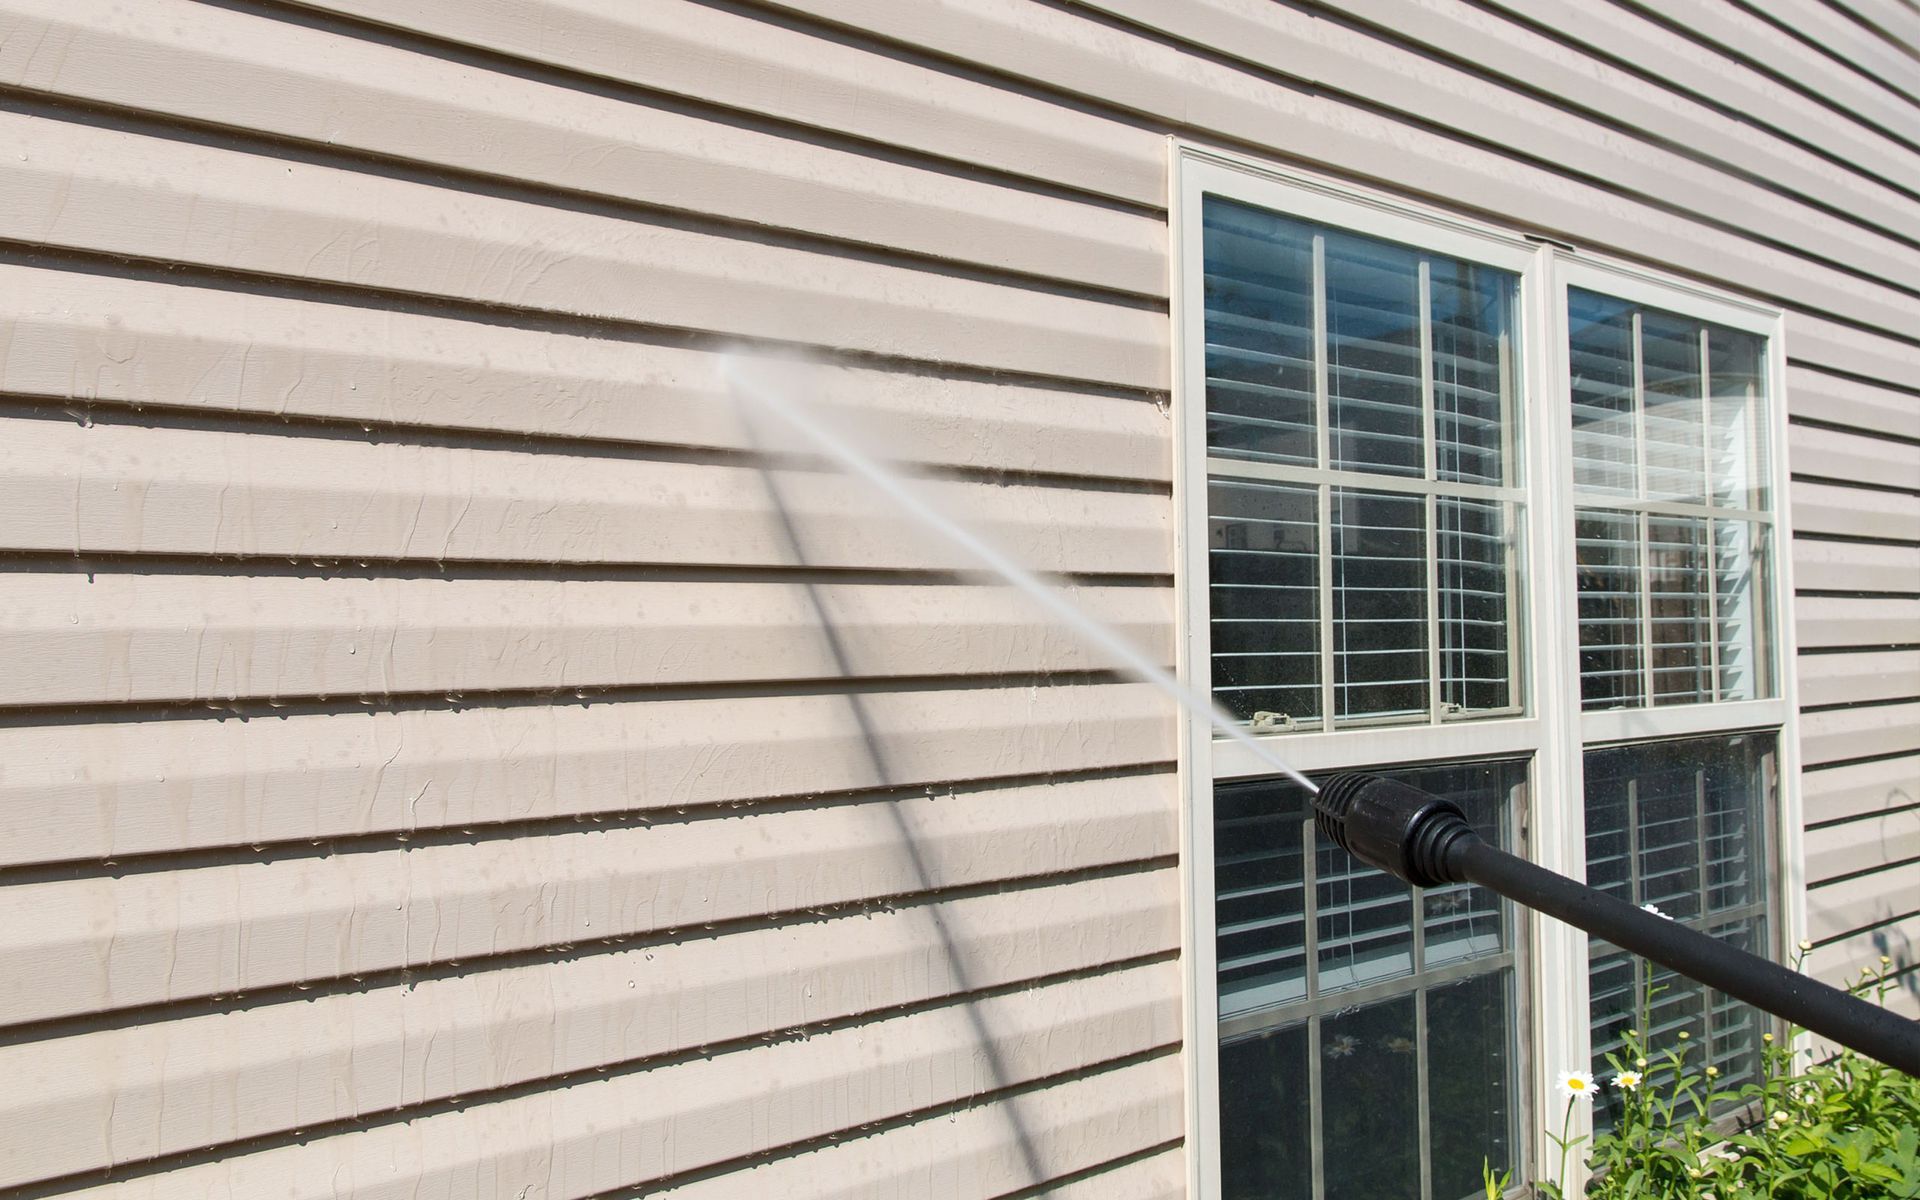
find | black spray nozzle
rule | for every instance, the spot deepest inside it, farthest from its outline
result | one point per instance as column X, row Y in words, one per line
column 1400, row 829
column 1425, row 840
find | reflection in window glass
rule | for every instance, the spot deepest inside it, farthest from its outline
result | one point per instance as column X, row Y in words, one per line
column 1263, row 557
column 1678, row 610
column 1369, row 1074
column 1374, row 359
column 1738, row 429
column 1476, row 614
column 1379, row 603
column 1606, row 454
column 1680, row 825
column 1261, row 347
column 1471, row 307
column 1740, row 569
column 1334, row 360
column 1670, row 461
column 1343, row 995
column 1266, row 1133
column 1607, row 557
column 1672, row 412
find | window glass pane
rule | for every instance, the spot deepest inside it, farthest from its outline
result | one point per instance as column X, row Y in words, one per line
column 1374, row 356
column 1677, row 585
column 1379, row 603
column 1365, row 922
column 1265, row 598
column 1259, row 335
column 1327, row 351
column 1673, row 416
column 1672, row 594
column 1371, row 1076
column 1260, row 910
column 1326, row 1007
column 1740, row 570
column 1469, row 1082
column 1680, row 825
column 1601, row 357
column 1736, row 1028
column 1471, row 311
column 1607, row 554
column 1266, row 1105
column 1476, row 624
column 1738, row 425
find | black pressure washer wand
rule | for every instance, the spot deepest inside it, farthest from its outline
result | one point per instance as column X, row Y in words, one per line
column 1425, row 840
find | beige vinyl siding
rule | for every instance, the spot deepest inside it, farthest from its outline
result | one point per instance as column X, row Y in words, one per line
column 444, row 754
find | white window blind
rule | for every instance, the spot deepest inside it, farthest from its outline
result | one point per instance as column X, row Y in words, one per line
column 1673, row 535
column 1349, row 1004
column 1679, row 825
column 1363, row 507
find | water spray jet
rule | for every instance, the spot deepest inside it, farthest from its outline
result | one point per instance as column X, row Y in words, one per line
column 792, row 413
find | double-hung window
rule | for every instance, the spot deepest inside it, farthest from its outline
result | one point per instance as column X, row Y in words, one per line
column 1675, row 540
column 1456, row 511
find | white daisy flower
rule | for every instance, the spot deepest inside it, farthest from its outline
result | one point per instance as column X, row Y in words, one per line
column 1342, row 1046
column 1575, row 1085
column 1627, row 1081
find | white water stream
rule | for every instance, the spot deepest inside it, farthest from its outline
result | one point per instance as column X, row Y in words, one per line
column 746, row 378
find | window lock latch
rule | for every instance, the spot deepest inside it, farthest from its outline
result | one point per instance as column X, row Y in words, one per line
column 1270, row 722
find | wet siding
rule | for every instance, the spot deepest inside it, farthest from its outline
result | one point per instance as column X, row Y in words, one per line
column 445, row 754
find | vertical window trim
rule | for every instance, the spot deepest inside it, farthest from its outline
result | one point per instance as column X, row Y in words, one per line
column 1555, row 1001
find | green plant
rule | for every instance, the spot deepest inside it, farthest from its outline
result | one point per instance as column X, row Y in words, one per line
column 1844, row 1129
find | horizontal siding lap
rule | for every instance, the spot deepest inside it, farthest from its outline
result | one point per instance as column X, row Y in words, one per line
column 1872, row 731
column 1864, row 676
column 1863, row 902
column 77, row 791
column 1749, row 37
column 1826, row 509
column 1514, row 53
column 1838, row 962
column 1856, row 567
column 1830, row 622
column 133, row 343
column 188, row 61
column 1857, row 847
column 639, row 1128
column 379, row 636
column 129, row 489
column 1861, row 458
column 110, row 192
column 71, row 639
column 1060, row 49
column 1864, row 51
column 98, row 944
column 1728, row 83
column 1861, row 789
column 162, row 1088
column 744, row 61
column 990, row 1151
column 1327, row 54
column 1819, row 396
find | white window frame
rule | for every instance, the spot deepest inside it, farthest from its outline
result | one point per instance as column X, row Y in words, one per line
column 1778, row 715
column 1553, row 1012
